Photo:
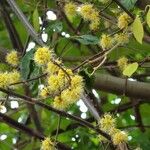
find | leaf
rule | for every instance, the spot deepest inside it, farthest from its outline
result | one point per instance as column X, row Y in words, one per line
column 56, row 26
column 128, row 4
column 137, row 29
column 148, row 17
column 35, row 20
column 130, row 69
column 87, row 39
column 25, row 64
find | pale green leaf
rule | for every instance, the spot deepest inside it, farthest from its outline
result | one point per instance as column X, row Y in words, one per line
column 148, row 18
column 137, row 29
column 130, row 69
column 35, row 17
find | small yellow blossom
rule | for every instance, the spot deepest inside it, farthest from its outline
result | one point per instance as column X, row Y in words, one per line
column 122, row 38
column 70, row 10
column 53, row 82
column 44, row 92
column 86, row 10
column 60, row 103
column 89, row 13
column 12, row 58
column 72, row 95
column 122, row 63
column 52, row 67
column 42, row 55
column 106, row 41
column 119, row 137
column 107, row 122
column 4, row 79
column 14, row 77
column 123, row 20
column 94, row 25
column 47, row 144
column 76, row 81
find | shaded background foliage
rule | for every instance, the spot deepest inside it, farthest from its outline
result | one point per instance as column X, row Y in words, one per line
column 132, row 115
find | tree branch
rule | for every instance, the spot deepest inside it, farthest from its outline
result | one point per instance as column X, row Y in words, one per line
column 25, row 22
column 116, row 85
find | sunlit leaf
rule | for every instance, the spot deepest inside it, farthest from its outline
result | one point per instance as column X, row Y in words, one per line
column 36, row 24
column 148, row 17
column 130, row 69
column 137, row 29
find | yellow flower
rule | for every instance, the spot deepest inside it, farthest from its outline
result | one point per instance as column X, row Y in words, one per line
column 122, row 63
column 42, row 55
column 107, row 122
column 70, row 9
column 86, row 11
column 44, row 92
column 12, row 58
column 76, row 81
column 47, row 144
column 122, row 38
column 72, row 95
column 89, row 13
column 60, row 103
column 53, row 68
column 4, row 79
column 123, row 20
column 119, row 137
column 14, row 77
column 53, row 82
column 94, row 25
column 106, row 41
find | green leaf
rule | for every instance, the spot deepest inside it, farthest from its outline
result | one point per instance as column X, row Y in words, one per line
column 56, row 26
column 35, row 17
column 130, row 69
column 87, row 39
column 148, row 18
column 128, row 4
column 137, row 29
column 25, row 64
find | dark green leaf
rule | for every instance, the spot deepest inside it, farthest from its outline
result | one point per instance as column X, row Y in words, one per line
column 87, row 39
column 56, row 26
column 25, row 64
column 129, row 4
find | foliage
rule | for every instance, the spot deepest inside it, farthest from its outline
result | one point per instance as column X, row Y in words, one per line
column 50, row 61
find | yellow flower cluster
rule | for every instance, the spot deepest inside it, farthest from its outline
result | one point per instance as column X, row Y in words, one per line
column 122, row 38
column 9, row 78
column 65, row 86
column 108, row 124
column 47, row 144
column 123, row 20
column 106, row 41
column 12, row 58
column 89, row 13
column 70, row 10
column 42, row 55
column 122, row 63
